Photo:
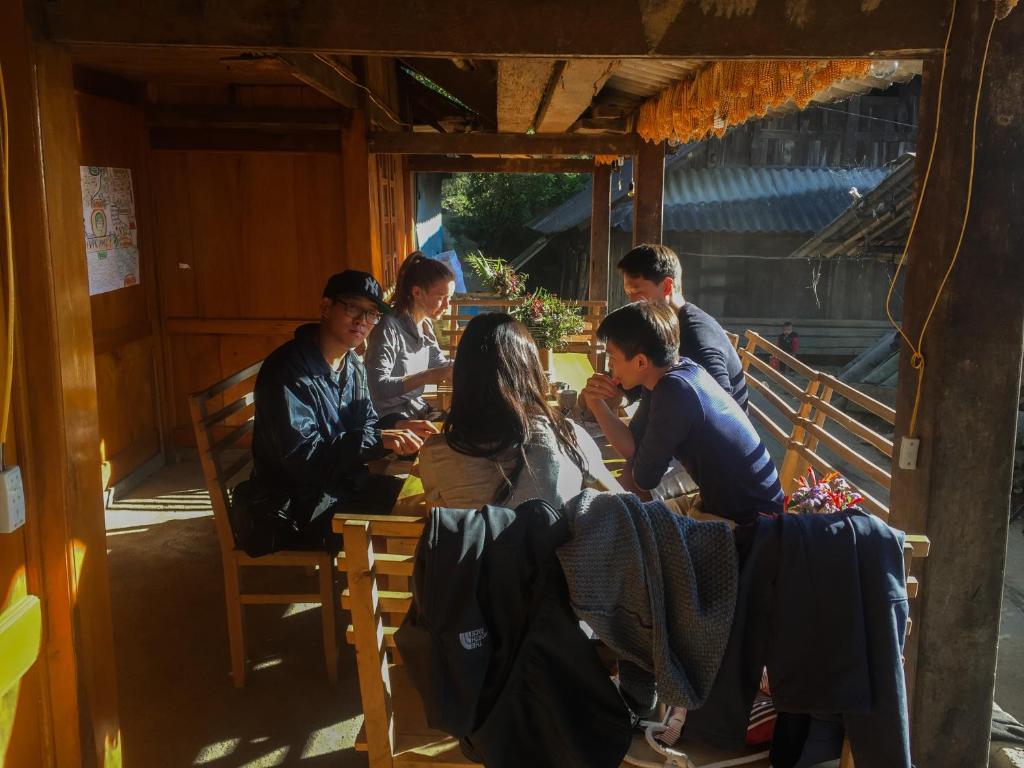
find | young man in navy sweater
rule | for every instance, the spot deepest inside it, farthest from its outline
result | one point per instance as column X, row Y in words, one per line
column 689, row 417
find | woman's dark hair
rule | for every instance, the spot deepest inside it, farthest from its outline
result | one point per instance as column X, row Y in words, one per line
column 646, row 327
column 498, row 385
column 417, row 271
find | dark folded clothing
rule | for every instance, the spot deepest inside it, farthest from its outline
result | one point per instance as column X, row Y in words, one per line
column 822, row 603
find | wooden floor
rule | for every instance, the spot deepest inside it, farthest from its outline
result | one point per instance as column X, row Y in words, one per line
column 177, row 705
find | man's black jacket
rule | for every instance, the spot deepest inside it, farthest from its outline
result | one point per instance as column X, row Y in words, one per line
column 315, row 429
column 494, row 647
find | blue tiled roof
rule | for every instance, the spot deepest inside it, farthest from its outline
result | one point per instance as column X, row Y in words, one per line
column 733, row 199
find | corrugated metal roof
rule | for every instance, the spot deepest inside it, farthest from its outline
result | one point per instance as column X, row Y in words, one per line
column 875, row 225
column 731, row 199
column 575, row 211
column 758, row 199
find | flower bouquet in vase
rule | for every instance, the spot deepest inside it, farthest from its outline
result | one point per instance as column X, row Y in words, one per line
column 497, row 275
column 551, row 322
column 832, row 493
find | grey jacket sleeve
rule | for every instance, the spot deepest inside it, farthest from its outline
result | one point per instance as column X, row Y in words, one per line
column 438, row 358
column 382, row 354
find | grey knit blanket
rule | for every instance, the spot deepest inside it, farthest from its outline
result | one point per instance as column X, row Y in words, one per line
column 657, row 588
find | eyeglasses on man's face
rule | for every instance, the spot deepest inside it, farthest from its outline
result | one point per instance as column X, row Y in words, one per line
column 358, row 313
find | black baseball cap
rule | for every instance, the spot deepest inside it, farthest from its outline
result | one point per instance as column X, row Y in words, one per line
column 352, row 282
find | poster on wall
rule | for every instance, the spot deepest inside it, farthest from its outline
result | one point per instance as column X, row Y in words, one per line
column 111, row 234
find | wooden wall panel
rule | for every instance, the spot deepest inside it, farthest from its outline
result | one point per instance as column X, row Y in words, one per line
column 125, row 322
column 260, row 233
column 172, row 223
column 127, row 398
column 215, row 249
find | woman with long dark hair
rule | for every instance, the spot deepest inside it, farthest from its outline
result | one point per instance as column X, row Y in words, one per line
column 403, row 355
column 502, row 443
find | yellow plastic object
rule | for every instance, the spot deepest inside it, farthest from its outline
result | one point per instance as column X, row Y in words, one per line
column 21, row 631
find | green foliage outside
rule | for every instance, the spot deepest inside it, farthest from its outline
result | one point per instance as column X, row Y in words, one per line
column 492, row 209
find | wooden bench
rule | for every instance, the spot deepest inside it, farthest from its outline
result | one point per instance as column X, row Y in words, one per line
column 222, row 418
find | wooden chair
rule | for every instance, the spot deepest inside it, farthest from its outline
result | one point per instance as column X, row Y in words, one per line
column 222, row 432
column 394, row 732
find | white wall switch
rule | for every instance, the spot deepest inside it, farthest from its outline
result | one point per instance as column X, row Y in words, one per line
column 908, row 452
column 12, row 500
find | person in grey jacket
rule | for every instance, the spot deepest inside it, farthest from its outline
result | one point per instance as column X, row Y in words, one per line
column 403, row 355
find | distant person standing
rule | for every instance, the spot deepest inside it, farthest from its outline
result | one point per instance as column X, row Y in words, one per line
column 788, row 341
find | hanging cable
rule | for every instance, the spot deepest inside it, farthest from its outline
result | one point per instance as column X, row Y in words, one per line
column 917, row 361
column 5, row 189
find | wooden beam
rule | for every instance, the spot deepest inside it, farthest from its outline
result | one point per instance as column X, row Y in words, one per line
column 444, row 164
column 959, row 494
column 60, row 553
column 236, row 326
column 648, row 193
column 249, row 118
column 501, row 144
column 600, row 233
column 577, row 85
column 508, row 28
column 476, row 87
column 109, row 86
column 522, row 85
column 359, row 182
column 236, row 140
column 325, row 76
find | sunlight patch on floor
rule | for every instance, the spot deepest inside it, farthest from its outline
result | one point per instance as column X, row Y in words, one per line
column 331, row 738
column 213, row 752
column 269, row 760
column 297, row 608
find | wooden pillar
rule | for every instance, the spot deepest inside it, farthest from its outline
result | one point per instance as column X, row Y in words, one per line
column 600, row 232
column 648, row 192
column 55, row 409
column 359, row 174
column 959, row 493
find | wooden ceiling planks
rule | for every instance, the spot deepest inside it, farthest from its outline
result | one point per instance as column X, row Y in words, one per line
column 513, row 28
column 572, row 93
column 522, row 84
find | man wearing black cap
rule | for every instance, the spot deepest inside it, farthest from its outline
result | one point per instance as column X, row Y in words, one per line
column 315, row 428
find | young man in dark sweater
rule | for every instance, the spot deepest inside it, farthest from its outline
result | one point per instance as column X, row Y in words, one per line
column 652, row 272
column 690, row 418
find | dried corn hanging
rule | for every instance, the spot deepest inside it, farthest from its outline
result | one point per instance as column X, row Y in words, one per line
column 727, row 93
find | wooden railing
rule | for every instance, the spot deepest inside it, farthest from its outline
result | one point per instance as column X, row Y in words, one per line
column 800, row 415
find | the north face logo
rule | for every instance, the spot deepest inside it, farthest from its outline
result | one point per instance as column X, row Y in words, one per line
column 473, row 639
